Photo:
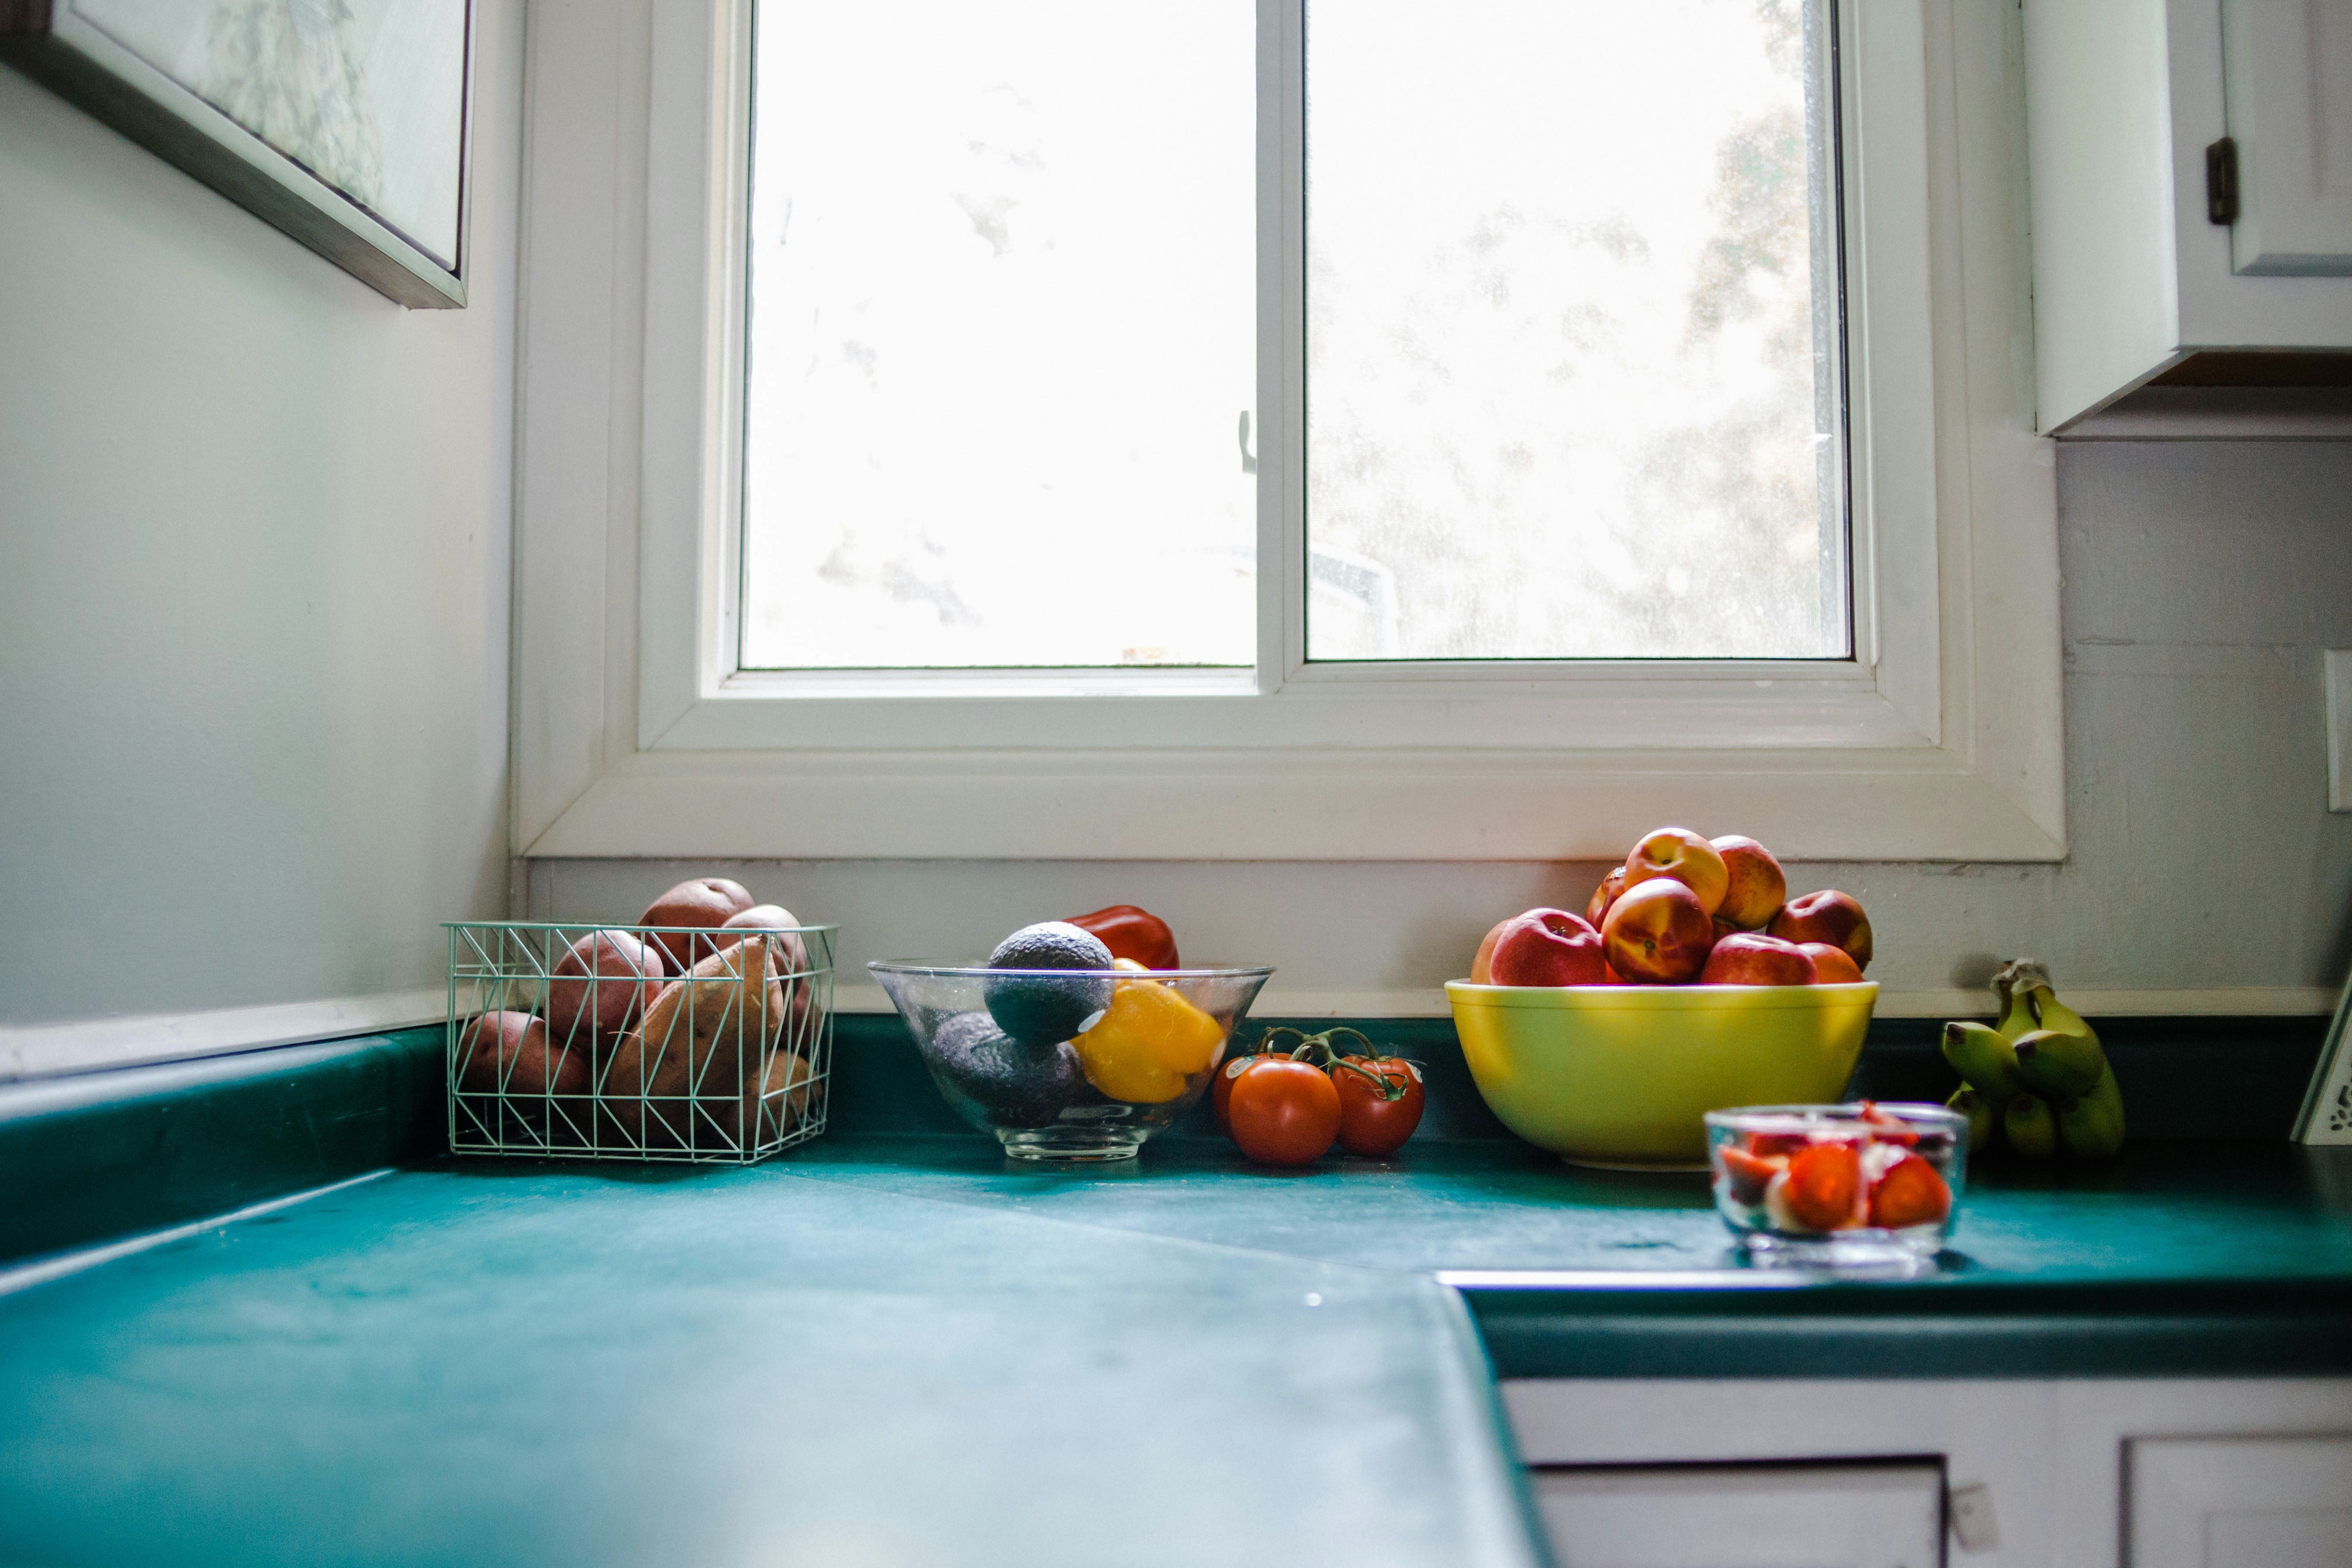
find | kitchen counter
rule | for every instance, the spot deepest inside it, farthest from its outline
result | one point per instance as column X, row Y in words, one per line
column 897, row 1348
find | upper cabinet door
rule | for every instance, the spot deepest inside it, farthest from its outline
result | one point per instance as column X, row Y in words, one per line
column 2288, row 64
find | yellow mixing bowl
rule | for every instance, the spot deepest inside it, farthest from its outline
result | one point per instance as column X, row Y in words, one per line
column 1620, row 1075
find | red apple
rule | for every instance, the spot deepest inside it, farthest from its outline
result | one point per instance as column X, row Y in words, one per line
column 1827, row 916
column 1658, row 933
column 1596, row 909
column 627, row 973
column 703, row 903
column 1832, row 965
column 1481, row 965
column 1757, row 884
column 1750, row 958
column 1679, row 853
column 1546, row 947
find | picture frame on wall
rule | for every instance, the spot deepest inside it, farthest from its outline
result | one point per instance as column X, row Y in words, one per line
column 345, row 123
column 2327, row 1113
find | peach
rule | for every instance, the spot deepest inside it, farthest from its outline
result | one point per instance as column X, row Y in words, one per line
column 601, row 983
column 1679, row 853
column 1658, row 933
column 1759, row 886
column 1750, row 958
column 1481, row 964
column 1828, row 916
column 703, row 903
column 1832, row 965
column 1596, row 909
column 1547, row 947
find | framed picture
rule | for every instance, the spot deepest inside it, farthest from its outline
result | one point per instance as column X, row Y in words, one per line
column 2327, row 1114
column 343, row 123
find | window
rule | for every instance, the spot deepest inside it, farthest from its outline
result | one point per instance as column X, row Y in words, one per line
column 1579, row 503
column 1573, row 373
column 1003, row 277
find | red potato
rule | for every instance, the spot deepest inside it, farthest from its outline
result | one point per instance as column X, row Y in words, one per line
column 601, row 986
column 509, row 1069
column 788, row 956
column 683, row 1078
column 703, row 903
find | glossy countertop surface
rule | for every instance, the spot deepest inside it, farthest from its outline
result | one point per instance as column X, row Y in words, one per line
column 891, row 1346
column 907, row 1349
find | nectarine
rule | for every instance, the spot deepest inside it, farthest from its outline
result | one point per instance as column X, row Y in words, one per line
column 1658, row 933
column 1481, row 962
column 1750, row 958
column 1546, row 947
column 1758, row 888
column 1679, row 853
column 1827, row 916
column 1596, row 909
column 1832, row 965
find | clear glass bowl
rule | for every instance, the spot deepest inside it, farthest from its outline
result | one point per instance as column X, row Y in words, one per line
column 1868, row 1184
column 1070, row 1064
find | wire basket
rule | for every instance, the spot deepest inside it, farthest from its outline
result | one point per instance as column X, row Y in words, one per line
column 558, row 1046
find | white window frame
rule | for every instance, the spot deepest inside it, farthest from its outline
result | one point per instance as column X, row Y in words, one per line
column 636, row 734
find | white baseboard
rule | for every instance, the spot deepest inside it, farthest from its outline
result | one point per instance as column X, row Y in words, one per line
column 89, row 1044
column 2270, row 1001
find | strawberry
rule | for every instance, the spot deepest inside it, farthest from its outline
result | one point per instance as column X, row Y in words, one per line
column 1823, row 1183
column 1768, row 1144
column 1749, row 1174
column 1911, row 1193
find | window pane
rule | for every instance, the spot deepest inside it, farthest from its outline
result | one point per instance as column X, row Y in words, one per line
column 1572, row 385
column 1002, row 334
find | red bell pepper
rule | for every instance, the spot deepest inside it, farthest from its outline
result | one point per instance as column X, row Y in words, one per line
column 1131, row 933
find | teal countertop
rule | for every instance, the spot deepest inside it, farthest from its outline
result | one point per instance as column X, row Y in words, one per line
column 897, row 1348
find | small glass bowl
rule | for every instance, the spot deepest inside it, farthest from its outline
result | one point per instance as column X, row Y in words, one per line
column 1070, row 1064
column 1839, row 1185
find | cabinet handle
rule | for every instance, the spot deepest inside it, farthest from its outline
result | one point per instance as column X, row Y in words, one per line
column 2222, row 181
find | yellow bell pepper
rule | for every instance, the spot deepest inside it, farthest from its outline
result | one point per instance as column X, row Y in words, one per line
column 1146, row 1043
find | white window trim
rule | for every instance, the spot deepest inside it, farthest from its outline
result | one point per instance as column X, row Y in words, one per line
column 634, row 735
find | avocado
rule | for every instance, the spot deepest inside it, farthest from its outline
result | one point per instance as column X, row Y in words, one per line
column 1013, row 1085
column 1040, row 1009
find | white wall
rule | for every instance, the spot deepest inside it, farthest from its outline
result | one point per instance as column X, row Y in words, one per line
column 2202, row 583
column 254, row 562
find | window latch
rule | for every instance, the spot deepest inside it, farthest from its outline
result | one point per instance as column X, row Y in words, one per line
column 1249, row 460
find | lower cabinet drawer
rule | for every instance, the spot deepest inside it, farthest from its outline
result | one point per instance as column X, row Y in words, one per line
column 1881, row 1514
column 2239, row 1502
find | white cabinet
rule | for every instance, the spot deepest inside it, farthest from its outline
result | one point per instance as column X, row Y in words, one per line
column 2134, row 282
column 2072, row 1473
column 1743, row 1516
column 2240, row 1502
column 2287, row 69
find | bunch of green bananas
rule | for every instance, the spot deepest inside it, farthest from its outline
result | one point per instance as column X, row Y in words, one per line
column 2038, row 1076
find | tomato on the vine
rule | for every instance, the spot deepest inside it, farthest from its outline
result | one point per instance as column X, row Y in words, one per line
column 1380, row 1103
column 1282, row 1112
column 1220, row 1091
